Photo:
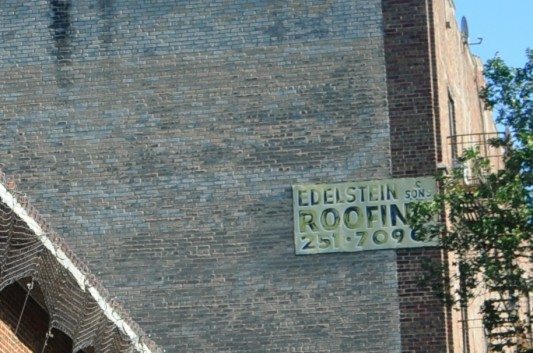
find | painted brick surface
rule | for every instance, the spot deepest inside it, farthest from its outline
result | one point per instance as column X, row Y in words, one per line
column 161, row 140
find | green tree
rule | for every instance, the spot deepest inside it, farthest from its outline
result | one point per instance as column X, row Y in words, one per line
column 488, row 222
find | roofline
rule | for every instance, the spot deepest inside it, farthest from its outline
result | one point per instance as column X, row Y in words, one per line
column 81, row 279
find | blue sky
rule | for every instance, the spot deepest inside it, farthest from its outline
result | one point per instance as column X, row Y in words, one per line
column 506, row 27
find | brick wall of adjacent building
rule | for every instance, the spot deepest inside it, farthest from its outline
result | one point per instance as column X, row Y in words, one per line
column 10, row 343
column 461, row 81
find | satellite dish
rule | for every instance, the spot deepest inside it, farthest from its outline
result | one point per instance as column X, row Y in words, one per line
column 464, row 29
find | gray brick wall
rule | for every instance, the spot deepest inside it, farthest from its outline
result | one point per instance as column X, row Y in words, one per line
column 161, row 139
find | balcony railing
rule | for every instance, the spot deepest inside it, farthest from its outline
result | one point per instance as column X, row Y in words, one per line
column 481, row 141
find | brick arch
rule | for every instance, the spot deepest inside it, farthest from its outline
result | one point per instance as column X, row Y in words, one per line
column 59, row 342
column 31, row 334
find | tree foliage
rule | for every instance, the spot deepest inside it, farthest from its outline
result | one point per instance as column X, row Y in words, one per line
column 488, row 222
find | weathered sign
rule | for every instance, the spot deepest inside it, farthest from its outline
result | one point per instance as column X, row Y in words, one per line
column 358, row 216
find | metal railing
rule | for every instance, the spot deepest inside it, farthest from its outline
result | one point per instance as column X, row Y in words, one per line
column 481, row 141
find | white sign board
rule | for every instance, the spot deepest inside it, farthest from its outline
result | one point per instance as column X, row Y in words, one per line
column 358, row 216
